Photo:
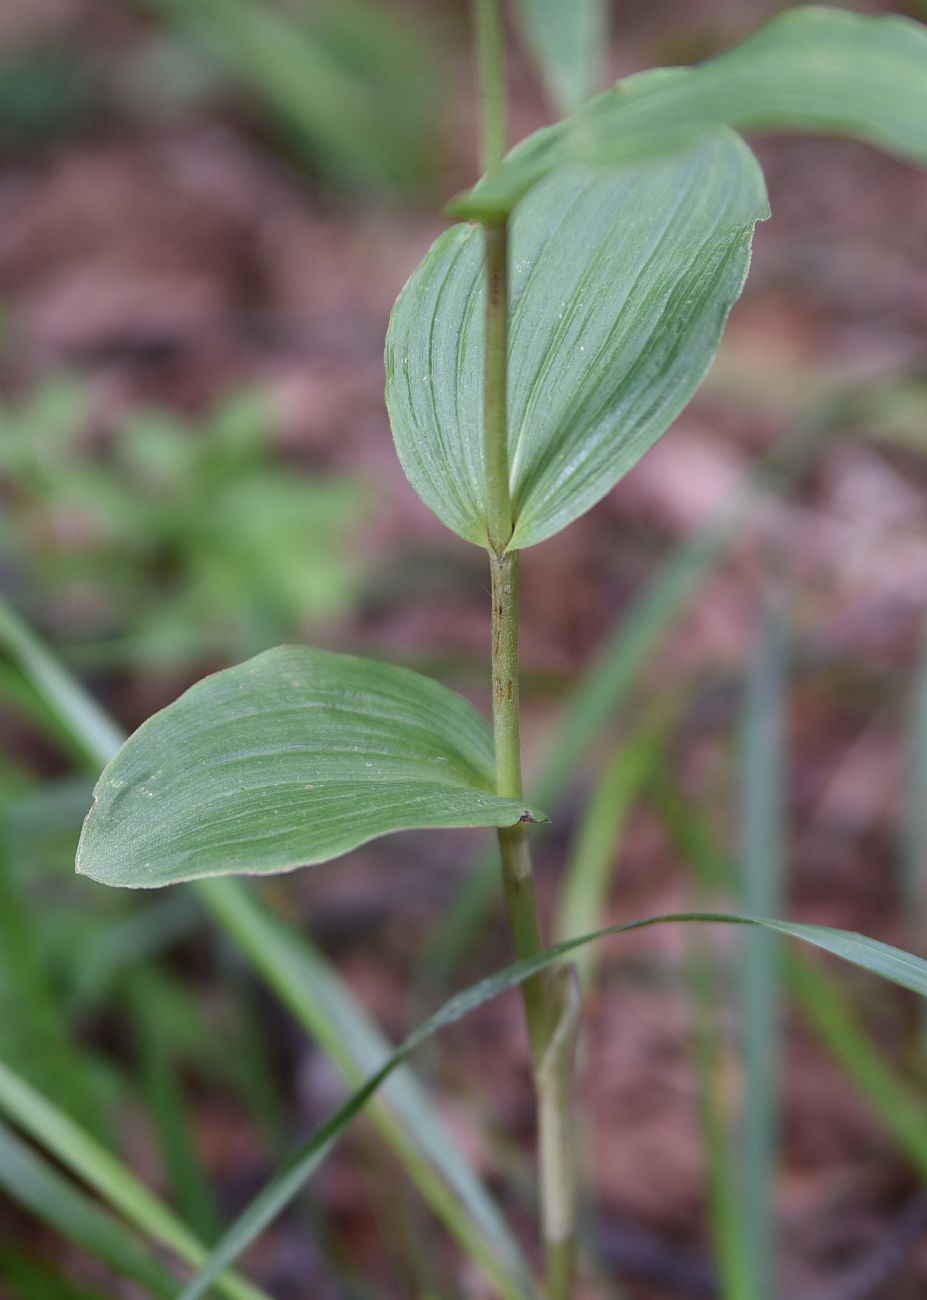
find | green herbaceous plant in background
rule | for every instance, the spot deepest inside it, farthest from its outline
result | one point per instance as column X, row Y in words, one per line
column 532, row 359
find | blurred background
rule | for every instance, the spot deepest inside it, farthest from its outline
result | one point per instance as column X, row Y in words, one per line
column 207, row 208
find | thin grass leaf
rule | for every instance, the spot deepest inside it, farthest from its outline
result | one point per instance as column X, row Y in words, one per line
column 21, row 698
column 881, row 959
column 809, row 69
column 321, row 1003
column 29, row 1278
column 253, row 1067
column 324, row 1006
column 567, row 42
column 890, row 1097
column 735, row 1275
column 38, row 1035
column 762, row 892
column 188, row 1180
column 110, row 1179
column 913, row 854
column 40, row 1188
column 97, row 736
column 588, row 872
column 350, row 85
column 895, row 1101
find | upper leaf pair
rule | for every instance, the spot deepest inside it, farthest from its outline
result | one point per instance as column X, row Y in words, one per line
column 621, row 281
column 629, row 245
column 814, row 68
column 620, row 285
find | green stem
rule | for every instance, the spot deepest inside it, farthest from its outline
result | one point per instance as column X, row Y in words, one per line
column 551, row 998
column 490, row 51
column 490, row 63
column 517, row 875
column 495, row 391
column 554, row 1081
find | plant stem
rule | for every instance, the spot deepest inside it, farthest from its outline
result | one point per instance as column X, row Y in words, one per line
column 517, row 875
column 551, row 998
column 495, row 396
column 554, row 1082
column 490, row 63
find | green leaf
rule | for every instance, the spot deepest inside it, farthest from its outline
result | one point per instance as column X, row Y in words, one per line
column 93, row 732
column 593, row 856
column 405, row 1115
column 878, row 958
column 891, row 1098
column 810, row 69
column 38, row 1186
column 601, row 695
column 319, row 1000
column 291, row 758
column 353, row 87
column 76, row 1150
column 764, row 838
column 736, row 1279
column 621, row 283
column 567, row 42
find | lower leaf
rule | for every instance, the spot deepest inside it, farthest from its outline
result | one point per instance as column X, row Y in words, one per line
column 294, row 757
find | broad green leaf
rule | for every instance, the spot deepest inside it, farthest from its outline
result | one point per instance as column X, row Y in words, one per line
column 810, row 69
column 291, row 758
column 568, row 42
column 879, row 958
column 621, row 282
column 602, row 694
column 318, row 999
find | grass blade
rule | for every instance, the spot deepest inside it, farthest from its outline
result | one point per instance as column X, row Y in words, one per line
column 91, row 1162
column 29, row 1278
column 762, row 833
column 588, row 874
column 567, row 42
column 29, row 1179
column 913, row 859
column 890, row 1098
column 161, row 1088
column 330, row 77
column 735, row 1278
column 38, row 1034
column 96, row 735
column 881, row 959
column 321, row 1003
